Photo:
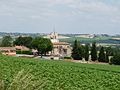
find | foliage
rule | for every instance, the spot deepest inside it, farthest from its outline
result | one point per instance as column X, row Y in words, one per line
column 29, row 52
column 43, row 45
column 18, row 52
column 23, row 41
column 93, row 52
column 67, row 57
column 61, row 75
column 116, row 59
column 76, row 52
column 86, row 52
column 102, row 55
column 6, row 41
column 109, row 52
column 24, row 80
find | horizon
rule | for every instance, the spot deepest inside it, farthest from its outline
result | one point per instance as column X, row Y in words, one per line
column 67, row 16
column 61, row 33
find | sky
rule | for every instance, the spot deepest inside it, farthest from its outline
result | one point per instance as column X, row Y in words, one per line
column 66, row 16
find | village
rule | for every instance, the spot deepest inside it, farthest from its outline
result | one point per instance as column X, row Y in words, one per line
column 59, row 51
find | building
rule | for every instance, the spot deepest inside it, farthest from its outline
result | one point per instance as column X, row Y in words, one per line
column 56, row 35
column 60, row 49
column 10, row 51
column 22, row 48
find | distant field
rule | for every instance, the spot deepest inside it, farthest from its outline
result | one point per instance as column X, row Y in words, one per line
column 88, row 40
column 61, row 75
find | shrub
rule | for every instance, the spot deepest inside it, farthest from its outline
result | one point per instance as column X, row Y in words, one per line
column 24, row 52
column 116, row 59
column 18, row 51
column 67, row 57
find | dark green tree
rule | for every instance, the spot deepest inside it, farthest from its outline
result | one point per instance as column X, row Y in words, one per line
column 49, row 45
column 6, row 41
column 116, row 59
column 109, row 52
column 43, row 45
column 86, row 52
column 81, row 52
column 76, row 51
column 93, row 52
column 23, row 41
column 102, row 55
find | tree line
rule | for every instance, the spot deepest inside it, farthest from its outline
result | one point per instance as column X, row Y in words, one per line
column 88, row 52
column 42, row 45
column 95, row 53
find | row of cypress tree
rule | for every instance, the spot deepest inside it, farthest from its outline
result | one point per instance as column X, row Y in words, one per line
column 79, row 52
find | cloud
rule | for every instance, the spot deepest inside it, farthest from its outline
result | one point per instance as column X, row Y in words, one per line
column 45, row 7
column 94, row 7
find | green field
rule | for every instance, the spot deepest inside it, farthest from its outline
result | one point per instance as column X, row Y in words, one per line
column 89, row 40
column 57, row 75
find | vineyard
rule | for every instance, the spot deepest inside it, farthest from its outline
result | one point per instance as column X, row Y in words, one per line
column 34, row 74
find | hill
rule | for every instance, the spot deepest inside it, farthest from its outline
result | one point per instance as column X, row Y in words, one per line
column 57, row 75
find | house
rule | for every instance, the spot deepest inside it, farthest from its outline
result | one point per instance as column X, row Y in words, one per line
column 11, row 51
column 22, row 48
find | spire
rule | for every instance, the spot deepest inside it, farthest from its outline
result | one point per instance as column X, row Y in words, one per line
column 54, row 29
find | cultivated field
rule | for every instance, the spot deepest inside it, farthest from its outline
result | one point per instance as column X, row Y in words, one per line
column 33, row 74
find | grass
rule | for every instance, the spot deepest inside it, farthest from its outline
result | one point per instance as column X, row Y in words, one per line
column 89, row 40
column 56, row 75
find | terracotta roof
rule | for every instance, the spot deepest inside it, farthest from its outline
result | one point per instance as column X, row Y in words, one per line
column 7, row 48
column 21, row 47
column 60, row 43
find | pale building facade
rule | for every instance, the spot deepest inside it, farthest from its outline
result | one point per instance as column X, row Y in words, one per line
column 60, row 49
column 10, row 51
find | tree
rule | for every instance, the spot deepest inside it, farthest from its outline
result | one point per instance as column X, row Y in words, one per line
column 43, row 45
column 49, row 45
column 76, row 51
column 81, row 52
column 109, row 52
column 116, row 59
column 6, row 41
column 23, row 41
column 86, row 52
column 93, row 52
column 101, row 57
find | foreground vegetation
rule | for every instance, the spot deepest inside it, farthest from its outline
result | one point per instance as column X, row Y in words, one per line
column 33, row 74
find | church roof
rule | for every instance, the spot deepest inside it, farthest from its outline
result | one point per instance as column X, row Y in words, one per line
column 61, row 43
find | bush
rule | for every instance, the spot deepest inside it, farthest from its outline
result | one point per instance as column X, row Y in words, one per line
column 18, row 51
column 116, row 59
column 67, row 58
column 24, row 52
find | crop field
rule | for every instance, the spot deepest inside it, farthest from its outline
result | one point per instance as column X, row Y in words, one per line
column 86, row 40
column 29, row 74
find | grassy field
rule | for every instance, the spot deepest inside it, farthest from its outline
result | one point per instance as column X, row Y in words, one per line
column 87, row 40
column 29, row 74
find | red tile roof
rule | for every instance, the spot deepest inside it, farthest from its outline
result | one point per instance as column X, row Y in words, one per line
column 60, row 43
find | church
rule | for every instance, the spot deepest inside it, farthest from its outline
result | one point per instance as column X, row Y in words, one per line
column 60, row 49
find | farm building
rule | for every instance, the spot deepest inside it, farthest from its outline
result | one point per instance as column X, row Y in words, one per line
column 11, row 51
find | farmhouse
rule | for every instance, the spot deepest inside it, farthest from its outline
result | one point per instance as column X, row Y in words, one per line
column 22, row 48
column 11, row 51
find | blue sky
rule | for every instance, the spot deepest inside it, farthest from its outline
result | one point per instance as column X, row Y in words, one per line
column 67, row 16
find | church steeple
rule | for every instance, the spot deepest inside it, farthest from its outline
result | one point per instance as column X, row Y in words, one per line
column 54, row 36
